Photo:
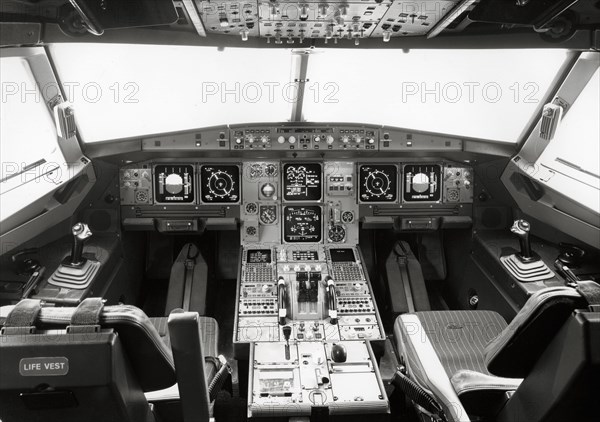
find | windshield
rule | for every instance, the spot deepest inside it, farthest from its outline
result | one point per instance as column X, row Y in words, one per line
column 123, row 91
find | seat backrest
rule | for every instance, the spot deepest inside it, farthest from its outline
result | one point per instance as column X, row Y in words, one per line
column 89, row 363
column 563, row 383
column 515, row 351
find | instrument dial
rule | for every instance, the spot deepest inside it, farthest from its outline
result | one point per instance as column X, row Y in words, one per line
column 256, row 170
column 347, row 216
column 336, row 233
column 251, row 208
column 268, row 214
column 271, row 170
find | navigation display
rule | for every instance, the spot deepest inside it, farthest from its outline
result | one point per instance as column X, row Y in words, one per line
column 220, row 183
column 258, row 256
column 302, row 224
column 302, row 182
column 421, row 183
column 378, row 182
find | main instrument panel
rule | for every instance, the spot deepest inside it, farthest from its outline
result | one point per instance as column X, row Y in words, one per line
column 299, row 197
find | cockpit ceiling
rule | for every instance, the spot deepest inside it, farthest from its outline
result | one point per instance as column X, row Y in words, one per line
column 286, row 22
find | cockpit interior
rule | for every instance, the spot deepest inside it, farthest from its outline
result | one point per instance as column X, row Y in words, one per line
column 278, row 210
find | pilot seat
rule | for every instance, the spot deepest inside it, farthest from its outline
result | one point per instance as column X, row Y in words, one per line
column 472, row 365
column 106, row 363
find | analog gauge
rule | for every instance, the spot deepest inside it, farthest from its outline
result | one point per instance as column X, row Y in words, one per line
column 251, row 208
column 267, row 190
column 347, row 216
column 378, row 183
column 220, row 183
column 256, row 170
column 271, row 170
column 268, row 214
column 251, row 231
column 336, row 233
column 141, row 196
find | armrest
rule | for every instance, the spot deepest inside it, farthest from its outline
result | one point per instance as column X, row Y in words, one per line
column 186, row 345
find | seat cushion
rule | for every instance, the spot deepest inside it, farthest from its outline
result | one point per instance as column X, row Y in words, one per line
column 459, row 337
column 209, row 330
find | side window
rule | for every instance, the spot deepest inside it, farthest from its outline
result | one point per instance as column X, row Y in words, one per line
column 32, row 164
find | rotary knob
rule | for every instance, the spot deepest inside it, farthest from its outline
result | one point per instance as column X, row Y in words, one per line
column 317, row 139
column 281, row 139
column 264, row 139
column 238, row 140
column 292, row 139
column 371, row 141
column 345, row 139
column 357, row 139
column 330, row 139
column 268, row 190
column 266, row 288
column 250, row 139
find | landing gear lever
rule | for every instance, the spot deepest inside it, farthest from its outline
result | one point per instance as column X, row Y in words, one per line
column 80, row 232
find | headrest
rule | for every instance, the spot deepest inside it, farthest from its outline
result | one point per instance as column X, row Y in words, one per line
column 149, row 357
column 514, row 352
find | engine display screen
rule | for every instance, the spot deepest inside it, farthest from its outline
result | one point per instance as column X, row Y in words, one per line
column 302, row 224
column 174, row 183
column 302, row 182
column 421, row 183
column 220, row 183
column 258, row 256
column 378, row 183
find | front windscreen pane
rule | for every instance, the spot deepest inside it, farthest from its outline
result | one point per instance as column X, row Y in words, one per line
column 488, row 94
column 123, row 91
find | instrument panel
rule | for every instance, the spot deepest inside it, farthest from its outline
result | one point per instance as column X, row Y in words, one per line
column 293, row 201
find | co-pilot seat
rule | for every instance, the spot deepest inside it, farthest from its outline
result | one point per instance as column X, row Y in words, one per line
column 95, row 362
column 537, row 368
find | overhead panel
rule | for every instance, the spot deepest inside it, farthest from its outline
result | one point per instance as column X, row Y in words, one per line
column 292, row 21
column 232, row 17
column 412, row 18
